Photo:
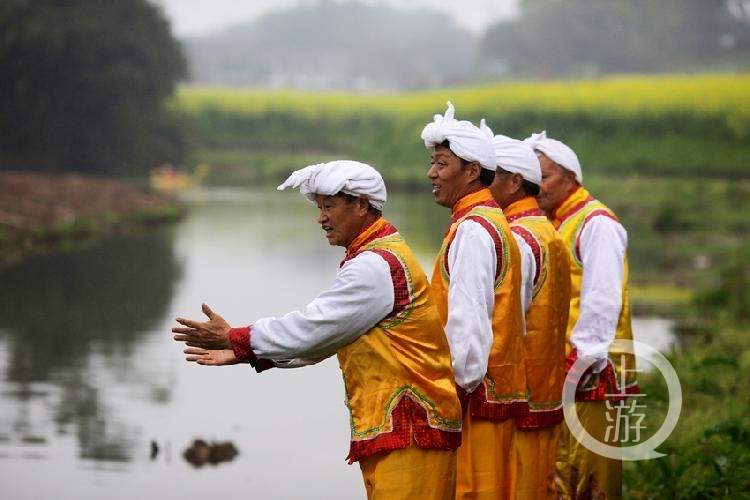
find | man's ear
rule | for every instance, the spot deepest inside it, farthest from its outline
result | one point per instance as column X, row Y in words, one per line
column 571, row 176
column 473, row 170
column 517, row 180
column 364, row 204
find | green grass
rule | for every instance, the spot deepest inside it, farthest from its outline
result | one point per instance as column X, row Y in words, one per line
column 660, row 293
column 241, row 166
column 708, row 453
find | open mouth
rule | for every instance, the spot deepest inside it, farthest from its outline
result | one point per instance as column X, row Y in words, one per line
column 435, row 188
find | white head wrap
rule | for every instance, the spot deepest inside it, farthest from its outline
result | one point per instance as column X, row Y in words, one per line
column 466, row 140
column 515, row 156
column 557, row 152
column 350, row 177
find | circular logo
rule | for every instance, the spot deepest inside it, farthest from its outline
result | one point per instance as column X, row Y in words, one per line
column 624, row 410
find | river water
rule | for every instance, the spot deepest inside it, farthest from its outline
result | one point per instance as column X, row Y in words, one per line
column 97, row 400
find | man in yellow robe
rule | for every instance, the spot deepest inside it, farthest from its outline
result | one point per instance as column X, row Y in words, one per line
column 381, row 321
column 546, row 300
column 599, row 314
column 476, row 283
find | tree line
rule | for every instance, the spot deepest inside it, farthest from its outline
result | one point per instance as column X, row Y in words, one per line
column 86, row 85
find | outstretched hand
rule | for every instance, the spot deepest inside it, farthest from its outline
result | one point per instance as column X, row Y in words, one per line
column 216, row 357
column 211, row 334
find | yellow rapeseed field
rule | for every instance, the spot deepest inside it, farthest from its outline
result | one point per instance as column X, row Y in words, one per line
column 723, row 96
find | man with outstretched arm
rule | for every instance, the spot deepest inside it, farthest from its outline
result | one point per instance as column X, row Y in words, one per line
column 381, row 321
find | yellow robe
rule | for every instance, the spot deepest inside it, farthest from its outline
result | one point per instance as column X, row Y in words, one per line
column 535, row 443
column 484, row 458
column 582, row 473
column 398, row 377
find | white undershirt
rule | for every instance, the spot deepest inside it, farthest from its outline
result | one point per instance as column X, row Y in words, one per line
column 603, row 242
column 472, row 262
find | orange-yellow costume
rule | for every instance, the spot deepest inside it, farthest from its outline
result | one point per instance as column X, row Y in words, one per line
column 582, row 473
column 398, row 378
column 535, row 441
column 484, row 468
column 405, row 415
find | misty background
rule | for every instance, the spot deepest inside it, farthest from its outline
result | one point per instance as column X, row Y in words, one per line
column 368, row 46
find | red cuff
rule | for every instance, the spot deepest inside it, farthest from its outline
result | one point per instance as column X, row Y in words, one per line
column 240, row 339
column 583, row 383
column 573, row 376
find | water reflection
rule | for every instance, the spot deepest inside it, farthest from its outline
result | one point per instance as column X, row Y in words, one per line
column 201, row 452
column 60, row 312
column 90, row 379
column 657, row 333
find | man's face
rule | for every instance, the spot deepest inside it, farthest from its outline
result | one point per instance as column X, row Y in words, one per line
column 341, row 218
column 505, row 186
column 557, row 184
column 449, row 181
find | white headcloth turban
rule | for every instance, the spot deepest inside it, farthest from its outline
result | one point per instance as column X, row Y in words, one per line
column 350, row 177
column 466, row 140
column 515, row 156
column 557, row 152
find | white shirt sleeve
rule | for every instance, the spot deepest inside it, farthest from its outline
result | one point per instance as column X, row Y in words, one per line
column 361, row 295
column 528, row 271
column 472, row 262
column 603, row 243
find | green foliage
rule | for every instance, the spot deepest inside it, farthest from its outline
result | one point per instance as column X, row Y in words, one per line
column 85, row 84
column 708, row 453
column 729, row 299
column 681, row 230
column 648, row 125
column 230, row 166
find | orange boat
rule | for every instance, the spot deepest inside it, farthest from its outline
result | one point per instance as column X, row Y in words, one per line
column 168, row 179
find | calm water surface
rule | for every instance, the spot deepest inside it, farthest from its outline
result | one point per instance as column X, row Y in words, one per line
column 90, row 377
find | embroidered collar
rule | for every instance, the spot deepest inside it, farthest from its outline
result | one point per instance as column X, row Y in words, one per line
column 570, row 205
column 379, row 228
column 481, row 197
column 525, row 207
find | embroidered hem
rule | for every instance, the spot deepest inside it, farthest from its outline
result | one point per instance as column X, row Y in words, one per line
column 496, row 410
column 409, row 423
column 540, row 419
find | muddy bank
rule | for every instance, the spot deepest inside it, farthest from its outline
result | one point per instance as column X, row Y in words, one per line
column 41, row 212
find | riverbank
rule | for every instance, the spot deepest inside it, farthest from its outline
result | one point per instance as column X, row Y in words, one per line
column 41, row 212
